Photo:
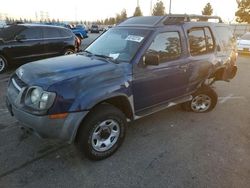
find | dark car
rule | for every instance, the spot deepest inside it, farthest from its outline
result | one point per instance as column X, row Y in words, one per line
column 23, row 43
column 141, row 66
column 94, row 29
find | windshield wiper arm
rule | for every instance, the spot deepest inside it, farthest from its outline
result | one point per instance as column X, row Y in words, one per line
column 106, row 57
column 102, row 56
column 88, row 52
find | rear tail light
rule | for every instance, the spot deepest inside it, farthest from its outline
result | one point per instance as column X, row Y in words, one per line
column 77, row 43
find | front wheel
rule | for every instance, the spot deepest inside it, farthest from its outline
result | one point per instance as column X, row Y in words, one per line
column 3, row 64
column 204, row 100
column 102, row 133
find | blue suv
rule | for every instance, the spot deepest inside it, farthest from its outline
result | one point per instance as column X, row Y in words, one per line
column 79, row 30
column 141, row 66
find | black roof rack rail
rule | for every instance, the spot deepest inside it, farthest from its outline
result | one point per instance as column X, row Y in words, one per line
column 181, row 18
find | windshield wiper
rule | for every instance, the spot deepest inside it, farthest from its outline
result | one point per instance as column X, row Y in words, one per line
column 107, row 58
column 88, row 52
column 102, row 56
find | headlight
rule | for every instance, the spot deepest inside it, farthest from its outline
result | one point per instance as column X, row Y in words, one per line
column 35, row 95
column 39, row 99
column 44, row 100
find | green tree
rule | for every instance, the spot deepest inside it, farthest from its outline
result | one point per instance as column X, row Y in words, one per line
column 112, row 21
column 207, row 10
column 243, row 11
column 121, row 17
column 118, row 18
column 124, row 15
column 159, row 9
column 138, row 11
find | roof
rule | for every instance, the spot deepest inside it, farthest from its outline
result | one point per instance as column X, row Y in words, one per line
column 41, row 25
column 154, row 21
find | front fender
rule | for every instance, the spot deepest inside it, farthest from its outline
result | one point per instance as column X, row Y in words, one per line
column 87, row 100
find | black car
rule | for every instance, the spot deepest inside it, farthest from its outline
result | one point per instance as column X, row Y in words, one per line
column 23, row 43
column 94, row 29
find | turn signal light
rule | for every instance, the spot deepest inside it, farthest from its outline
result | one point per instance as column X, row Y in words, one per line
column 58, row 116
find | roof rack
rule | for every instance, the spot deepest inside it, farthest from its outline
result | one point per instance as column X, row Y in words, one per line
column 181, row 18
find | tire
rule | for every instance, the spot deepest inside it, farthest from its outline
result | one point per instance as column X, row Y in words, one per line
column 204, row 100
column 95, row 138
column 68, row 51
column 3, row 64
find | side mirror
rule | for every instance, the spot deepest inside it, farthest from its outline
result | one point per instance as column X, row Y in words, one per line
column 19, row 38
column 151, row 59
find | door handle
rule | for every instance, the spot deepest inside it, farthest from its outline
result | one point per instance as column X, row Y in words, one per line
column 183, row 68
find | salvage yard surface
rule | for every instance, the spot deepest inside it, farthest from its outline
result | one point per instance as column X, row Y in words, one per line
column 171, row 148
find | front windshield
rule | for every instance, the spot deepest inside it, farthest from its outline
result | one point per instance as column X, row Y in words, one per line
column 246, row 36
column 119, row 43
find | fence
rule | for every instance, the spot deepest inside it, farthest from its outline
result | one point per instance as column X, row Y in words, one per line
column 240, row 29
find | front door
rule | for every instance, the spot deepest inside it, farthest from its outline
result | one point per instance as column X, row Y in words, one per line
column 154, row 85
column 29, row 48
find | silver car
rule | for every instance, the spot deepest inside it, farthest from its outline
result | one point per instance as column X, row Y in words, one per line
column 243, row 43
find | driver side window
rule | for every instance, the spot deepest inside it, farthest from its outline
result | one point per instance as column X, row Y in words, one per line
column 167, row 46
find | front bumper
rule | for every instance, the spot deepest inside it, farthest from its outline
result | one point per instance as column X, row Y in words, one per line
column 63, row 129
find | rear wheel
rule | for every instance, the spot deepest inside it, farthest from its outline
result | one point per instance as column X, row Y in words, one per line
column 204, row 100
column 102, row 133
column 3, row 64
column 68, row 51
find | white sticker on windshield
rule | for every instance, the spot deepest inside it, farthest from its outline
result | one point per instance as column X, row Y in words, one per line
column 134, row 38
column 114, row 56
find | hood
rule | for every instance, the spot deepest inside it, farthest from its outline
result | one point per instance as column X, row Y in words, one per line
column 45, row 73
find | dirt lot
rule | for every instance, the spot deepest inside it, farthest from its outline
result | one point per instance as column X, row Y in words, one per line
column 171, row 148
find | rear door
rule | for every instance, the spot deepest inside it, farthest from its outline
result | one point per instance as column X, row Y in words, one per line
column 202, row 49
column 53, row 41
column 154, row 85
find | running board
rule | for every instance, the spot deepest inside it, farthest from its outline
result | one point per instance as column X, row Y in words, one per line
column 157, row 108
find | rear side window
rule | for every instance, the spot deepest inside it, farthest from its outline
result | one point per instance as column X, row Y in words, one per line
column 167, row 45
column 200, row 41
column 50, row 33
column 65, row 33
column 32, row 33
column 197, row 42
column 226, row 37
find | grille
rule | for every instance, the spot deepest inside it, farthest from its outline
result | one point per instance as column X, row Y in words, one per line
column 20, row 84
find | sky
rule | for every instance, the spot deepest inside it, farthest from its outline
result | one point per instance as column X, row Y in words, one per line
column 92, row 10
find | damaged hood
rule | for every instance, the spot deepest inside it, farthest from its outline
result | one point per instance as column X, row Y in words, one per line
column 45, row 73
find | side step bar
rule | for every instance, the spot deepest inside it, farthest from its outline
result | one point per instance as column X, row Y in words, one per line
column 162, row 106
